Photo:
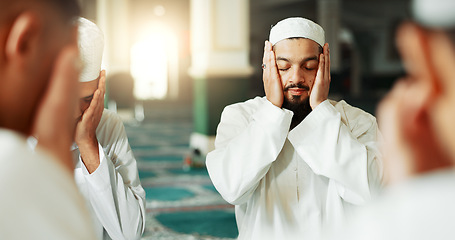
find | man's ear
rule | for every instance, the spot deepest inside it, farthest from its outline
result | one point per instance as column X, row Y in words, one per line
column 23, row 35
column 412, row 43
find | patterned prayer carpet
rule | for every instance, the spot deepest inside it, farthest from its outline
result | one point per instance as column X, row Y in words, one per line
column 182, row 202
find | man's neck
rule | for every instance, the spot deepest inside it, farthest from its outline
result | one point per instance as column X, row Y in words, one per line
column 296, row 120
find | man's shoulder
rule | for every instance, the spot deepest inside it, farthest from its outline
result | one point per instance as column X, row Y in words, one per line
column 109, row 119
column 14, row 151
column 109, row 114
column 110, row 127
column 354, row 117
column 21, row 170
column 21, row 162
column 351, row 111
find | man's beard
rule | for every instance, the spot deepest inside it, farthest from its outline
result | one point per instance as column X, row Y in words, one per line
column 301, row 108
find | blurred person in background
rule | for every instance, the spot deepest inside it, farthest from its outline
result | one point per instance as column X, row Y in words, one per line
column 106, row 170
column 294, row 161
column 38, row 75
column 416, row 119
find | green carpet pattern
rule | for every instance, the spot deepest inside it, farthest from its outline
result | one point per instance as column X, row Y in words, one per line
column 181, row 203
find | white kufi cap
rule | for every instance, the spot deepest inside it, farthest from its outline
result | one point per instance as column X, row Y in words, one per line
column 434, row 13
column 91, row 44
column 297, row 27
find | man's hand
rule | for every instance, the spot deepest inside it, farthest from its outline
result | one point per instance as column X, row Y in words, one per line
column 273, row 86
column 320, row 90
column 410, row 146
column 53, row 122
column 86, row 128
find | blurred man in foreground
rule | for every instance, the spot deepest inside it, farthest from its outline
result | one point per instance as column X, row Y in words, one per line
column 38, row 75
column 416, row 119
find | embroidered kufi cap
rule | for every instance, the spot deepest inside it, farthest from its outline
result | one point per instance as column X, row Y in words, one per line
column 91, row 45
column 297, row 27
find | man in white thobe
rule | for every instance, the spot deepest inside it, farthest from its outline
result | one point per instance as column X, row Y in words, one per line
column 106, row 170
column 416, row 118
column 39, row 198
column 294, row 162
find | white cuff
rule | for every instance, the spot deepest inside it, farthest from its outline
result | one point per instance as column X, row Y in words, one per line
column 99, row 179
column 318, row 115
column 269, row 114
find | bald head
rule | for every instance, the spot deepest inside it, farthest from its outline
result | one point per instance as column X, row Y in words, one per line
column 32, row 34
column 67, row 9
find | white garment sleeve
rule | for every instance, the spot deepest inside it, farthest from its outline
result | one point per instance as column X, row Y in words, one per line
column 343, row 149
column 245, row 147
column 114, row 188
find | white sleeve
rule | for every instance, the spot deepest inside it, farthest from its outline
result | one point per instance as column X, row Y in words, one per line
column 118, row 201
column 245, row 147
column 348, row 157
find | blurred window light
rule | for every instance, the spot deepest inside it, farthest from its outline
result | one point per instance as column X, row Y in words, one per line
column 159, row 10
column 151, row 58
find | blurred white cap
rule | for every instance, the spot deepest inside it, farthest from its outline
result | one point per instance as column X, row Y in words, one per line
column 297, row 27
column 434, row 13
column 91, row 44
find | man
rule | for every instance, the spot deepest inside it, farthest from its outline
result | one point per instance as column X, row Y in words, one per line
column 106, row 171
column 417, row 121
column 38, row 74
column 294, row 161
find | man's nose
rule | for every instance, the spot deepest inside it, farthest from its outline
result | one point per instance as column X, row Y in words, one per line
column 297, row 76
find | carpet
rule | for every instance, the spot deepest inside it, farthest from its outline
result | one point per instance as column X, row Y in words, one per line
column 181, row 203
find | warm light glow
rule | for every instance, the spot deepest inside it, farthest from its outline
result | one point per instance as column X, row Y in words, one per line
column 159, row 11
column 150, row 60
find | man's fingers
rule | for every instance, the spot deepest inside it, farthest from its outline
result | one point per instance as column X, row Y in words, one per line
column 93, row 106
column 327, row 63
column 272, row 66
column 102, row 82
column 264, row 57
column 267, row 61
column 321, row 68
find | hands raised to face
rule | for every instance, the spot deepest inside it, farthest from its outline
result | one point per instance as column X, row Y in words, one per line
column 319, row 84
column 273, row 86
column 320, row 90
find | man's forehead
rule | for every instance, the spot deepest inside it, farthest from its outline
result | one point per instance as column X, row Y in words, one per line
column 296, row 43
column 88, row 88
column 297, row 48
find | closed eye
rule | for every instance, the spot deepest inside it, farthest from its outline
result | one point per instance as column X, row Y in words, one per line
column 311, row 64
column 87, row 99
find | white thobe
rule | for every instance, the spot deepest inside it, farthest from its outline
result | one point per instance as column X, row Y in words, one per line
column 39, row 199
column 113, row 190
column 419, row 209
column 290, row 184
